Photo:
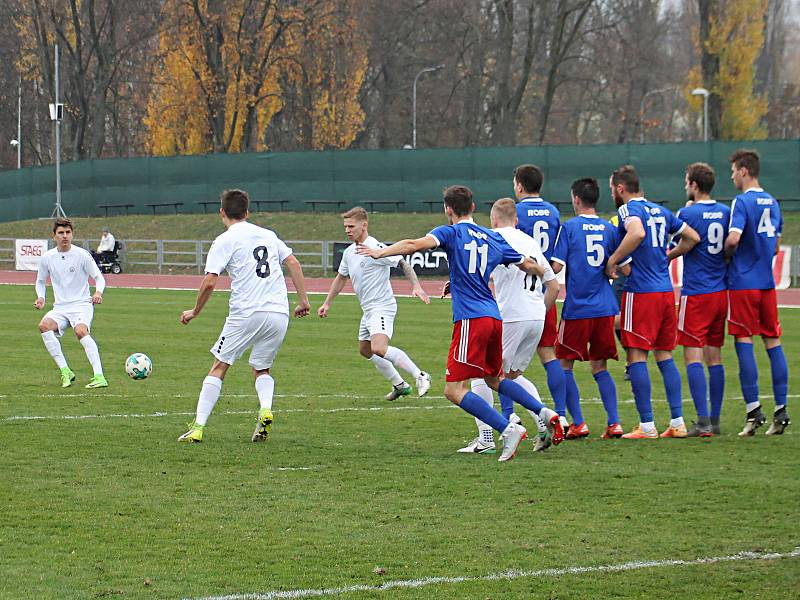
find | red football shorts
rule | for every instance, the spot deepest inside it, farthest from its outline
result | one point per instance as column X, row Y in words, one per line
column 476, row 350
column 753, row 312
column 587, row 339
column 550, row 331
column 701, row 319
column 648, row 320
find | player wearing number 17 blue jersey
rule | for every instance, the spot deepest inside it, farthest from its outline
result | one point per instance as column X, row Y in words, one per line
column 476, row 349
column 704, row 298
column 587, row 320
column 648, row 303
column 754, row 239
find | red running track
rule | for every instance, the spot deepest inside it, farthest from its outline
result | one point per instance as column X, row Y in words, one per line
column 315, row 285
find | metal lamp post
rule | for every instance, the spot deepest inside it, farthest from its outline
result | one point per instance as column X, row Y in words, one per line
column 18, row 142
column 705, row 94
column 641, row 107
column 414, row 102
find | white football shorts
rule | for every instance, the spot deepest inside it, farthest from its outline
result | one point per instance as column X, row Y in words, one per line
column 520, row 339
column 264, row 331
column 376, row 322
column 71, row 316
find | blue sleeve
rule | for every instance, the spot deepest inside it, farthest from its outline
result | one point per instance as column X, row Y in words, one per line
column 510, row 256
column 444, row 234
column 561, row 249
column 780, row 222
column 675, row 223
column 738, row 215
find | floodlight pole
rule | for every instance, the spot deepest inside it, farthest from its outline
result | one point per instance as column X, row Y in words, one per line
column 414, row 103
column 19, row 124
column 58, row 210
column 705, row 94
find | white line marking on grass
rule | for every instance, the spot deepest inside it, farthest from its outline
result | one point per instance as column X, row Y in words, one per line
column 505, row 576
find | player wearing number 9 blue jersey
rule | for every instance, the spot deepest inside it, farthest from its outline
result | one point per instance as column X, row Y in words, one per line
column 541, row 220
column 704, row 298
column 648, row 303
column 259, row 307
column 754, row 238
column 476, row 349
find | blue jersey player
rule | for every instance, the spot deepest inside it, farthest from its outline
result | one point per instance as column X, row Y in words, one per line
column 587, row 319
column 704, row 298
column 648, row 303
column 541, row 220
column 754, row 239
column 476, row 349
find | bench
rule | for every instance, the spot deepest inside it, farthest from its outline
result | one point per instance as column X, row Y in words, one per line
column 157, row 204
column 372, row 203
column 258, row 203
column 107, row 206
column 432, row 203
column 336, row 203
column 208, row 203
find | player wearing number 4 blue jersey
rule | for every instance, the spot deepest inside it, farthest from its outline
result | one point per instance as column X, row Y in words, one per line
column 587, row 320
column 541, row 220
column 753, row 241
column 473, row 252
column 648, row 303
column 259, row 308
column 704, row 298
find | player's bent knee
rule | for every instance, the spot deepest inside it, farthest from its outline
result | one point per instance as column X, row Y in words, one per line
column 81, row 331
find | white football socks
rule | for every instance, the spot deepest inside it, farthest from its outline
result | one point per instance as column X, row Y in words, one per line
column 387, row 369
column 647, row 426
column 676, row 422
column 54, row 348
column 209, row 394
column 530, row 387
column 400, row 359
column 92, row 353
column 265, row 387
column 485, row 392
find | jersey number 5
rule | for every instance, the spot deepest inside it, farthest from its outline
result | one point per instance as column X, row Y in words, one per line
column 595, row 253
column 262, row 266
column 474, row 251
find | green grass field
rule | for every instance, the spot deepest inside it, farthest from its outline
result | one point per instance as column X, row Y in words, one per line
column 99, row 500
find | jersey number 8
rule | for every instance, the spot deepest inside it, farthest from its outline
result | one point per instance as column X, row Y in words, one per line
column 262, row 266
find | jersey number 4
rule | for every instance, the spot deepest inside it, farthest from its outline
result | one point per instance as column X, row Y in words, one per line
column 765, row 224
column 262, row 257
column 474, row 252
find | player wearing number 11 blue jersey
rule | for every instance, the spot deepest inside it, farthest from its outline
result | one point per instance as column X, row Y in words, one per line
column 476, row 349
column 259, row 308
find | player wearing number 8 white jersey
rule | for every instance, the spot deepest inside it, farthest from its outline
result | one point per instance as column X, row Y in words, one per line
column 259, row 307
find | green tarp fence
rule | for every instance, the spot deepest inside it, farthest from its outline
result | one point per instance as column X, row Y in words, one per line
column 413, row 176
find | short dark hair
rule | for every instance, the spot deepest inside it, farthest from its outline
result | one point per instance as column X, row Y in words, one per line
column 628, row 177
column 530, row 177
column 459, row 198
column 235, row 203
column 586, row 190
column 63, row 222
column 747, row 159
column 703, row 175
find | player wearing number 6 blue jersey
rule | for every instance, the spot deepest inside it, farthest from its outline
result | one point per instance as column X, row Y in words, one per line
column 476, row 350
column 704, row 298
column 259, row 308
column 754, row 239
column 587, row 319
column 648, row 303
column 542, row 221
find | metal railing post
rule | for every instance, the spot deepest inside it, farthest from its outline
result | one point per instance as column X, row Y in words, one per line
column 198, row 247
column 159, row 254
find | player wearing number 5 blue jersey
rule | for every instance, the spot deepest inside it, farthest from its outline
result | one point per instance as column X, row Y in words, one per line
column 587, row 319
column 648, row 303
column 476, row 350
column 541, row 220
column 704, row 298
column 259, row 308
column 753, row 241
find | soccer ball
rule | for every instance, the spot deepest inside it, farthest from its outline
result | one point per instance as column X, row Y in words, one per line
column 138, row 366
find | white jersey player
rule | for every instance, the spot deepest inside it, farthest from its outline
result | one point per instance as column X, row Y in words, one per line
column 523, row 301
column 258, row 308
column 371, row 283
column 69, row 269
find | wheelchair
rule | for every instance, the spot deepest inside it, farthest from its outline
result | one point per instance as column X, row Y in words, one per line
column 108, row 261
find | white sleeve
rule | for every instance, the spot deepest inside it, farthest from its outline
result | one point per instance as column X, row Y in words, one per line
column 537, row 254
column 284, row 251
column 218, row 257
column 41, row 279
column 95, row 274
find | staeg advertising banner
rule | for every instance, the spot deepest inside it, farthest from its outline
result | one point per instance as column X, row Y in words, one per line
column 28, row 253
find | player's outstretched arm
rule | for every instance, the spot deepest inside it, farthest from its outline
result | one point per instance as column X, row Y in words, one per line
column 296, row 273
column 550, row 293
column 337, row 285
column 688, row 240
column 634, row 234
column 401, row 248
column 531, row 267
column 416, row 288
column 203, row 294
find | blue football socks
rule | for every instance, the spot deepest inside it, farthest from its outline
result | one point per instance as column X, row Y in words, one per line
column 696, row 375
column 506, row 405
column 640, row 382
column 573, row 397
column 672, row 385
column 716, row 388
column 518, row 394
column 477, row 407
column 748, row 372
column 556, row 385
column 780, row 375
column 608, row 394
